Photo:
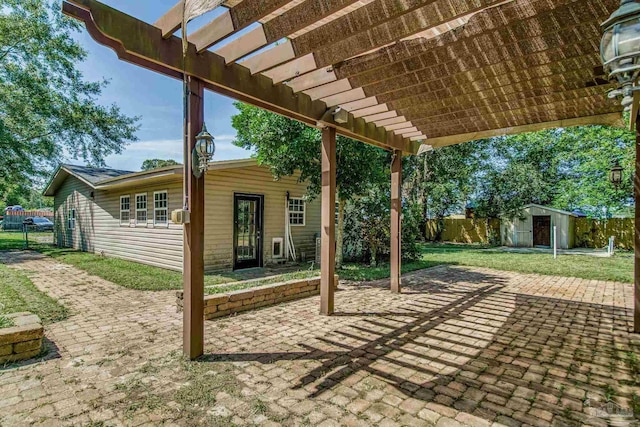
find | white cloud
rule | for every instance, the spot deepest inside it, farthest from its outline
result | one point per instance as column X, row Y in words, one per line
column 133, row 156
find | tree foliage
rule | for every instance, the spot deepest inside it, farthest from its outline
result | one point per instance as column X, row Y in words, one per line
column 565, row 168
column 287, row 146
column 151, row 164
column 47, row 110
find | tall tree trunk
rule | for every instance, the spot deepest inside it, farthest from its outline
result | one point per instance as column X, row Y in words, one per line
column 340, row 233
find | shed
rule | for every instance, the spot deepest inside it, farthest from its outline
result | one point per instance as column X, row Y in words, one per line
column 533, row 227
column 251, row 220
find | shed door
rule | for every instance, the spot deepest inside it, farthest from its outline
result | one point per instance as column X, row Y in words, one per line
column 247, row 231
column 541, row 230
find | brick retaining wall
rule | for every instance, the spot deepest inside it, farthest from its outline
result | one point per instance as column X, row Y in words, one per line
column 227, row 303
column 22, row 341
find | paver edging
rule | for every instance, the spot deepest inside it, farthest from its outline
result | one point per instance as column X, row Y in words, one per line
column 223, row 304
column 23, row 340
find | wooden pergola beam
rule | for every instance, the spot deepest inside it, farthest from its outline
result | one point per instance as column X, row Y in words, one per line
column 297, row 18
column 367, row 28
column 505, row 120
column 142, row 43
column 171, row 21
column 460, row 46
column 610, row 119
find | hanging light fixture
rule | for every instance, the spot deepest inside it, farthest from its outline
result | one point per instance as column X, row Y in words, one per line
column 615, row 174
column 620, row 49
column 203, row 152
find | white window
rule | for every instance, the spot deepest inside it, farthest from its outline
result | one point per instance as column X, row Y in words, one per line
column 160, row 207
column 71, row 219
column 125, row 210
column 141, row 208
column 296, row 211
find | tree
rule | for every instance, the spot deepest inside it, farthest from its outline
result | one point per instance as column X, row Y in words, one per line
column 441, row 182
column 565, row 168
column 287, row 146
column 151, row 164
column 47, row 110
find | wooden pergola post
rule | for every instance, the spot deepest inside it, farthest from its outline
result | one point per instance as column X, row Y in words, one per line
column 396, row 218
column 193, row 260
column 328, row 225
column 636, row 241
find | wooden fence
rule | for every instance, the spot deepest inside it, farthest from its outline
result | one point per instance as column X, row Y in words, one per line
column 589, row 233
column 465, row 230
column 13, row 220
column 594, row 233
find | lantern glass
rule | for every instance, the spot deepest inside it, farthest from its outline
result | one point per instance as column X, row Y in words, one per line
column 629, row 37
column 620, row 44
column 205, row 147
column 615, row 175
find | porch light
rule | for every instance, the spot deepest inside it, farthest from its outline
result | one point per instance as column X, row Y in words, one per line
column 203, row 151
column 615, row 174
column 620, row 49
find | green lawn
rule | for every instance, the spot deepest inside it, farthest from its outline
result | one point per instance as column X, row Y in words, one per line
column 18, row 293
column 617, row 268
column 143, row 277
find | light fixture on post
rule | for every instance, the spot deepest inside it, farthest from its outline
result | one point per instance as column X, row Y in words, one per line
column 620, row 49
column 203, row 152
column 615, row 174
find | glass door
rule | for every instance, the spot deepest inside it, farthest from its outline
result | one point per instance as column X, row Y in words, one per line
column 247, row 231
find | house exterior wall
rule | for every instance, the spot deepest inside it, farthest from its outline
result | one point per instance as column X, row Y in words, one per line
column 98, row 227
column 220, row 187
column 519, row 231
column 74, row 194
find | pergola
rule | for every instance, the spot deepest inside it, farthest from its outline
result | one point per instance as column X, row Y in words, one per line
column 395, row 74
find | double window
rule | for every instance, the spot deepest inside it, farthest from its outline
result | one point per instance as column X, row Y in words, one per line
column 125, row 210
column 296, row 211
column 71, row 219
column 141, row 208
column 160, row 208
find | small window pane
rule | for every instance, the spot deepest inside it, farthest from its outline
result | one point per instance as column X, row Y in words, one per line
column 125, row 209
column 160, row 208
column 296, row 211
column 141, row 208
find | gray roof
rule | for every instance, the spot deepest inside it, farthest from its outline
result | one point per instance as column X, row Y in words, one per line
column 94, row 175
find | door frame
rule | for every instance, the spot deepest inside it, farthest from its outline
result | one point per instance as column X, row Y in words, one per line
column 260, row 229
column 534, row 228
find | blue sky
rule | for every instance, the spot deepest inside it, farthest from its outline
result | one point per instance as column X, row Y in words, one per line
column 157, row 99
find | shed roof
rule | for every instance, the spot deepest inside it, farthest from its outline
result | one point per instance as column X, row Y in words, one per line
column 436, row 72
column 560, row 211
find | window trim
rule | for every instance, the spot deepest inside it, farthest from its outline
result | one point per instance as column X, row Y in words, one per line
column 303, row 212
column 71, row 219
column 160, row 224
column 128, row 223
column 145, row 210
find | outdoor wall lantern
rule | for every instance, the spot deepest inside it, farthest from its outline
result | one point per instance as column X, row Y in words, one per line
column 203, row 152
column 620, row 49
column 615, row 174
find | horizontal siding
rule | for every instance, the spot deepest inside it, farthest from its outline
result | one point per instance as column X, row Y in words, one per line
column 74, row 194
column 159, row 245
column 98, row 221
column 98, row 226
column 220, row 187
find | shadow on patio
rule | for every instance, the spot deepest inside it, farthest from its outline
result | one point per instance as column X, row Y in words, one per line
column 473, row 344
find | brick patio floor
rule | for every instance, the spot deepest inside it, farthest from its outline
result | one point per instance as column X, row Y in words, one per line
column 459, row 346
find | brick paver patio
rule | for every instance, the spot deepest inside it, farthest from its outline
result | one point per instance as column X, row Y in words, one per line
column 460, row 346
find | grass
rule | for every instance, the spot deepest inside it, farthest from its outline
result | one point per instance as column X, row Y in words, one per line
column 144, row 277
column 18, row 293
column 5, row 322
column 302, row 274
column 617, row 268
